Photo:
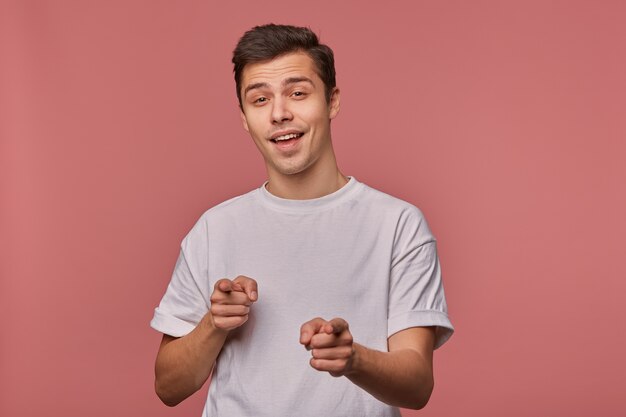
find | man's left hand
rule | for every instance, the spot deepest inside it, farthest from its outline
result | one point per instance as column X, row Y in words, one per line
column 330, row 343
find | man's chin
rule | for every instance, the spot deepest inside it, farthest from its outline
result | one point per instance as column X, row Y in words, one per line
column 289, row 170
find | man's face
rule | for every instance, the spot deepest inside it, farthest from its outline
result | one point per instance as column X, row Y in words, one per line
column 285, row 111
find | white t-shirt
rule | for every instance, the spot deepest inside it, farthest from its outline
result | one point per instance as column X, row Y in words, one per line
column 357, row 253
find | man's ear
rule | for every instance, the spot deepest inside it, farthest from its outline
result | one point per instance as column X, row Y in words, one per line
column 334, row 104
column 244, row 121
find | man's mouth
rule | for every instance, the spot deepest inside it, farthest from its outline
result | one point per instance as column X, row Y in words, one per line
column 291, row 137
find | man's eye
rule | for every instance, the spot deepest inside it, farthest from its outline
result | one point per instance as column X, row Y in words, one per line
column 298, row 94
column 260, row 100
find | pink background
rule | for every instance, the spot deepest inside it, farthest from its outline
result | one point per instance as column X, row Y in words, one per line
column 504, row 121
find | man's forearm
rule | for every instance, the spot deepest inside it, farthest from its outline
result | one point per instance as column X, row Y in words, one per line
column 402, row 378
column 183, row 365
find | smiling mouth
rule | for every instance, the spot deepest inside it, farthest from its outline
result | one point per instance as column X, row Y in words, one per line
column 287, row 138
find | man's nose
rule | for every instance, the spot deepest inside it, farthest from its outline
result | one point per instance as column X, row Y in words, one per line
column 280, row 111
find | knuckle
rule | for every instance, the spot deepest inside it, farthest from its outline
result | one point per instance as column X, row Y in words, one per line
column 241, row 279
column 315, row 341
column 217, row 297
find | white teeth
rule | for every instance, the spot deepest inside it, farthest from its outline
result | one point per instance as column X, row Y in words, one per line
column 287, row 137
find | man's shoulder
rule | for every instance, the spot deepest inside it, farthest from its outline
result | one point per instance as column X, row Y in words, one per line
column 230, row 207
column 223, row 213
column 406, row 218
column 381, row 200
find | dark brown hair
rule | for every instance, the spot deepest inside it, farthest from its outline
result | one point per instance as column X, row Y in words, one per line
column 266, row 42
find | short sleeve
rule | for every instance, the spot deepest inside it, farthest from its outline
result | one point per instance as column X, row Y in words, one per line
column 416, row 295
column 186, row 300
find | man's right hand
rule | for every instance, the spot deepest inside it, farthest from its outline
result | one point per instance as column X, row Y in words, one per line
column 231, row 301
column 184, row 363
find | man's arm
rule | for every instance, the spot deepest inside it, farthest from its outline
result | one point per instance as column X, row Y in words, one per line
column 402, row 377
column 184, row 364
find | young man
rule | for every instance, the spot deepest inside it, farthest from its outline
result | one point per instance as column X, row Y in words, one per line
column 314, row 275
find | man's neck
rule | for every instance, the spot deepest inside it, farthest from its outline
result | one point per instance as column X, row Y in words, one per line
column 306, row 186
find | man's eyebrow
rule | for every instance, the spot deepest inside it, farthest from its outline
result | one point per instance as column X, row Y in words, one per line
column 255, row 86
column 295, row 80
column 286, row 82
